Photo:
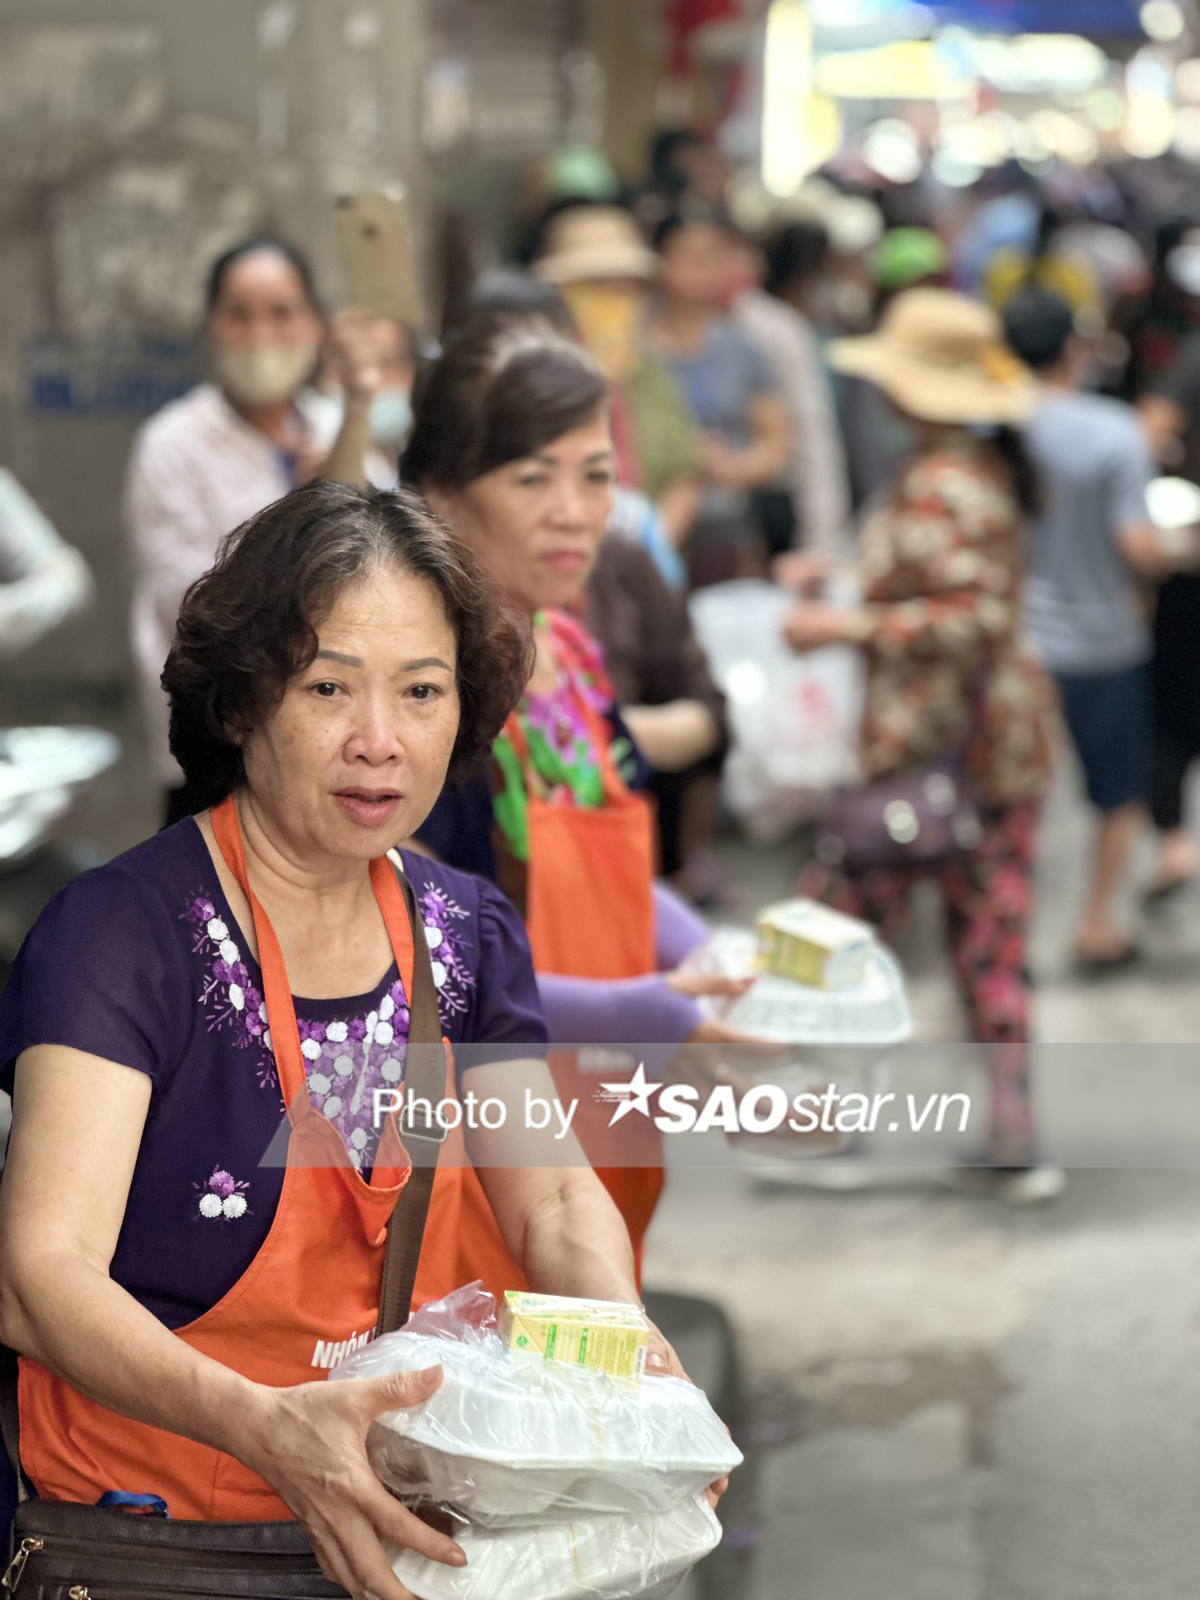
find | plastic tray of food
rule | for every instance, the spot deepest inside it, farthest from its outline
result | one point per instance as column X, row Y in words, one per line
column 594, row 1558
column 873, row 1013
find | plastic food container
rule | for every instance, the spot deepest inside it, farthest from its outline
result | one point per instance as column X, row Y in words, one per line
column 872, row 1014
column 509, row 1440
column 597, row 1558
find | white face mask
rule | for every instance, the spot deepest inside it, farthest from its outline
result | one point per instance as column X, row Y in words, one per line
column 391, row 416
column 263, row 374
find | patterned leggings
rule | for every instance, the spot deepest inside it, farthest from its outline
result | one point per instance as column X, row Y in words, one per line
column 988, row 898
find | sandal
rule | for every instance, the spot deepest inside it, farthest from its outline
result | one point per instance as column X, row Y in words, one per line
column 1105, row 966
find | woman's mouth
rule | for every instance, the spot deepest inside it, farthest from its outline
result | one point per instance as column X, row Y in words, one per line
column 368, row 807
column 565, row 560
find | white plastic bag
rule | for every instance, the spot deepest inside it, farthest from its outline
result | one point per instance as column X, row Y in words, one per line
column 511, row 1439
column 794, row 719
column 593, row 1558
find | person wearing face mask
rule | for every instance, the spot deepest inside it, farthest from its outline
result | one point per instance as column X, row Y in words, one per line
column 222, row 452
column 359, row 405
column 597, row 259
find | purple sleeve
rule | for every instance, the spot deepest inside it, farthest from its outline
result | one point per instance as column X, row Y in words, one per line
column 622, row 1011
column 508, row 1010
column 102, row 971
column 678, row 930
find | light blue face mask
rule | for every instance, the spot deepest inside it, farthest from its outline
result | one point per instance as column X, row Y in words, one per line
column 391, row 416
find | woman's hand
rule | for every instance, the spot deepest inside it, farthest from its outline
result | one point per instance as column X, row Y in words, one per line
column 812, row 625
column 721, row 462
column 309, row 1443
column 662, row 1362
column 694, row 982
column 360, row 344
column 804, row 571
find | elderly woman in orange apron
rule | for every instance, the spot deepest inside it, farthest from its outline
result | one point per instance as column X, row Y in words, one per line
column 175, row 1298
column 512, row 445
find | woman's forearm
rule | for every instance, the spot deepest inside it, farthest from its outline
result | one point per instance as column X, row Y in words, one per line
column 675, row 736
column 576, row 1243
column 119, row 1354
column 346, row 462
column 678, row 507
column 642, row 1011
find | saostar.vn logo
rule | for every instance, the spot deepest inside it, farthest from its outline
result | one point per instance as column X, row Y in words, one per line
column 761, row 1109
column 767, row 1107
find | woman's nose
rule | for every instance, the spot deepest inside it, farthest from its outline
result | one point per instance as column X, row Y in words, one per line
column 571, row 509
column 375, row 740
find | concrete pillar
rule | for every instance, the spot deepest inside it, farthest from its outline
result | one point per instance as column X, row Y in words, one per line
column 626, row 38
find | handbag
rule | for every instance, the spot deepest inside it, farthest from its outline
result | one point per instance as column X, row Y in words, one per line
column 63, row 1551
column 920, row 818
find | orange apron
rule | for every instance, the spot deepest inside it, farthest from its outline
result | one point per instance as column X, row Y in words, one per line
column 314, row 1284
column 589, row 913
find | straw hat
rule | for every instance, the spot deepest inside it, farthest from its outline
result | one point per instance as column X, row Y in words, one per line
column 941, row 357
column 590, row 242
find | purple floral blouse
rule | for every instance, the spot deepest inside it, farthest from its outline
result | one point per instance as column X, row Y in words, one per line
column 142, row 962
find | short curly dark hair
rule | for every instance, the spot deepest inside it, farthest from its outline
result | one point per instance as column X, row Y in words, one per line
column 249, row 624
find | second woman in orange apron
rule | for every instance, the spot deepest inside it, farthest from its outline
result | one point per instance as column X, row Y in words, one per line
column 512, row 445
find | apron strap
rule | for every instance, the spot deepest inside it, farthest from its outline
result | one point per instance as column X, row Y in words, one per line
column 10, row 1419
column 424, row 1077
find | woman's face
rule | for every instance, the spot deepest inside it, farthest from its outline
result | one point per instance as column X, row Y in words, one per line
column 263, row 300
column 356, row 754
column 536, row 524
column 694, row 266
column 264, row 331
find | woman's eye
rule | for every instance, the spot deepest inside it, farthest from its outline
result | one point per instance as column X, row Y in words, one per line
column 325, row 690
column 424, row 691
column 536, row 480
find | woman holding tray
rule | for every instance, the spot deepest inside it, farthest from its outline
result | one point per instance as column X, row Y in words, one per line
column 175, row 1297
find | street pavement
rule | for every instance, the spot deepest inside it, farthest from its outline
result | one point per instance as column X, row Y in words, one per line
column 951, row 1399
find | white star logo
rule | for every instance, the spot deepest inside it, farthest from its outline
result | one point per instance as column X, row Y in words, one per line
column 631, row 1095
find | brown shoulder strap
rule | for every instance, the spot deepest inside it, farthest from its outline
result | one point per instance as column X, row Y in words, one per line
column 424, row 1080
column 10, row 1420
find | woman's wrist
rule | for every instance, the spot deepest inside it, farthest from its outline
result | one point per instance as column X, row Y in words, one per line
column 247, row 1416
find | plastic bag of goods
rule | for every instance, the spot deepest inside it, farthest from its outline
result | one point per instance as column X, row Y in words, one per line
column 794, row 719
column 511, row 1439
column 592, row 1558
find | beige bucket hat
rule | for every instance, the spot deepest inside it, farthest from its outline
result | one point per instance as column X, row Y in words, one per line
column 586, row 243
column 941, row 357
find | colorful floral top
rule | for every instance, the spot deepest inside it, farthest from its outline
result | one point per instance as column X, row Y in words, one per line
column 942, row 575
column 142, row 962
column 560, row 736
column 482, row 826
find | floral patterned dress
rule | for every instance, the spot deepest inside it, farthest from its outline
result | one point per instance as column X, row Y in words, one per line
column 142, row 963
column 947, row 672
column 946, row 667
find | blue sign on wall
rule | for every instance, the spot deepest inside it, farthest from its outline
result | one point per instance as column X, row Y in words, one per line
column 106, row 377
